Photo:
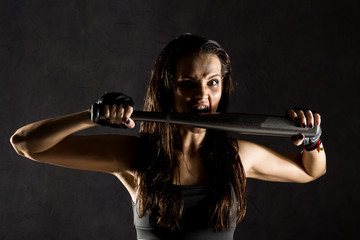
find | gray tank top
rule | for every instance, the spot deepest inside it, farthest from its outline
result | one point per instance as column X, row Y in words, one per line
column 195, row 219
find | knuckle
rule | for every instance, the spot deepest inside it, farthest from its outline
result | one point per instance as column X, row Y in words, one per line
column 129, row 108
column 300, row 112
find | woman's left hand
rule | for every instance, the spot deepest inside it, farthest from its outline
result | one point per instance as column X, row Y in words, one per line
column 307, row 119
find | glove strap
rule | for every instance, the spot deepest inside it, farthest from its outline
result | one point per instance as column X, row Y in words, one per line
column 315, row 146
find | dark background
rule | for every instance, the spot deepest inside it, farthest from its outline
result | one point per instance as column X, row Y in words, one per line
column 57, row 57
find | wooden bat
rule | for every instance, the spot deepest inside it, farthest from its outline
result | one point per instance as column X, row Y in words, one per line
column 234, row 122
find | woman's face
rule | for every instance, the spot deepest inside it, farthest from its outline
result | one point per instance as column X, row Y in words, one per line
column 197, row 83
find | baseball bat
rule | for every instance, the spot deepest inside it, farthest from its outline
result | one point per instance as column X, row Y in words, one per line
column 252, row 124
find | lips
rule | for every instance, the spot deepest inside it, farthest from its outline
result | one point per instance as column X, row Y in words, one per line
column 199, row 109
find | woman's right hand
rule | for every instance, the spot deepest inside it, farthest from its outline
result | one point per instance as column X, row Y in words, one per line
column 114, row 110
column 119, row 114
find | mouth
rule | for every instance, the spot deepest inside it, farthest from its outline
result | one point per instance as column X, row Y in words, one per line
column 199, row 109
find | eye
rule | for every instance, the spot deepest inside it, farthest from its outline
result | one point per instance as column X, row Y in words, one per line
column 213, row 82
column 186, row 83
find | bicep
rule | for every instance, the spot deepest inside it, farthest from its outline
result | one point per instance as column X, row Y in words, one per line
column 104, row 153
column 263, row 163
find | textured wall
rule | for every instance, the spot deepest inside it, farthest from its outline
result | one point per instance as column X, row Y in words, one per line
column 57, row 57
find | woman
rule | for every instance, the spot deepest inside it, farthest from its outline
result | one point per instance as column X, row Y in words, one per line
column 185, row 182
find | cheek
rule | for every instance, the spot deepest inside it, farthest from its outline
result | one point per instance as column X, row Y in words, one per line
column 215, row 99
column 183, row 92
column 216, row 95
column 182, row 95
column 180, row 100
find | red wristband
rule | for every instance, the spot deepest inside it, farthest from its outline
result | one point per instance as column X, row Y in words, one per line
column 315, row 146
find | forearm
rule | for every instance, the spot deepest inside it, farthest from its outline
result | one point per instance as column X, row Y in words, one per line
column 41, row 136
column 314, row 162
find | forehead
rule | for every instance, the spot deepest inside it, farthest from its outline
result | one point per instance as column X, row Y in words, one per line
column 198, row 65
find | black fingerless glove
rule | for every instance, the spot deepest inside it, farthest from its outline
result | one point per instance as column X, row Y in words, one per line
column 312, row 143
column 96, row 111
column 309, row 143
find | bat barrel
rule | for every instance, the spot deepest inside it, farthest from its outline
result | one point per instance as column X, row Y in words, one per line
column 234, row 122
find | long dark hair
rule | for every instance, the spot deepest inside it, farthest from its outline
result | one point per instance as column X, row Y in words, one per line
column 155, row 165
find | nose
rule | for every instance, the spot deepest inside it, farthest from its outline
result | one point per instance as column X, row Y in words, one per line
column 201, row 91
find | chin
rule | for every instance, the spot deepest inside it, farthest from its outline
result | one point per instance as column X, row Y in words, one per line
column 197, row 130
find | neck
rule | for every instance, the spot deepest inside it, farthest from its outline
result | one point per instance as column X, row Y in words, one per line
column 190, row 141
column 191, row 169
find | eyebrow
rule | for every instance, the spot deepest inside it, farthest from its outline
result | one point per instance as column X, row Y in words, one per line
column 189, row 77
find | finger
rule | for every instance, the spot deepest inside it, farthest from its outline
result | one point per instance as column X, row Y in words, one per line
column 113, row 113
column 130, row 123
column 298, row 139
column 309, row 118
column 119, row 114
column 302, row 118
column 292, row 114
column 317, row 118
column 127, row 113
column 107, row 112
